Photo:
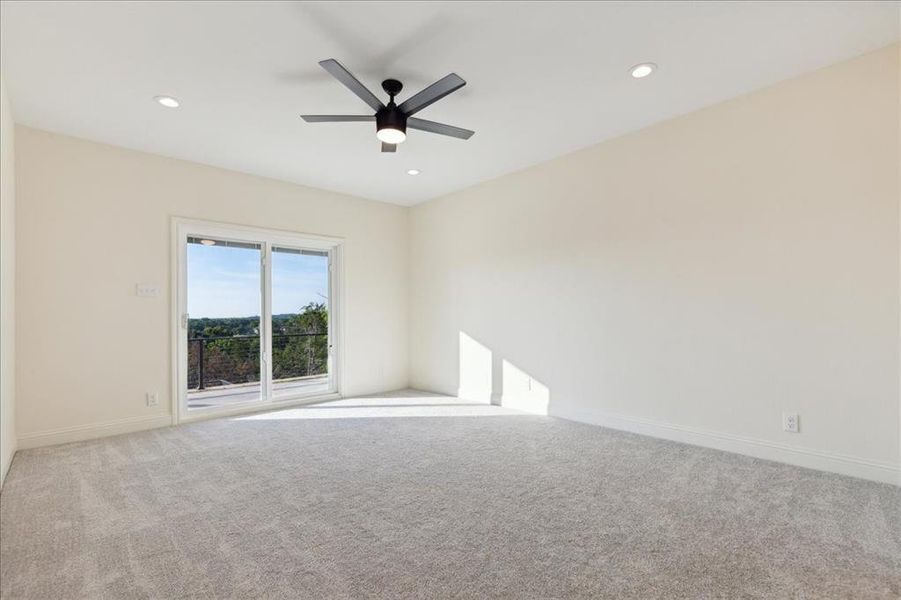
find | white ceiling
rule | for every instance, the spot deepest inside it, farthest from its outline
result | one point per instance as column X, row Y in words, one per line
column 543, row 79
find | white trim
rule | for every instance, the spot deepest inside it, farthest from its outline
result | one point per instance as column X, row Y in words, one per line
column 478, row 395
column 276, row 236
column 9, row 463
column 180, row 229
column 527, row 403
column 266, row 320
column 765, row 449
column 79, row 433
column 175, row 285
column 336, row 325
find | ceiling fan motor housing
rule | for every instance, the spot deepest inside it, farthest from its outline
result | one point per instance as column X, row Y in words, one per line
column 390, row 118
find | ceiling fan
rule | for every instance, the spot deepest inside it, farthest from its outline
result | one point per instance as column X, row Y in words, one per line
column 392, row 120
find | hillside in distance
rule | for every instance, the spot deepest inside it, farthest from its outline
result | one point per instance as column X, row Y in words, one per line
column 312, row 318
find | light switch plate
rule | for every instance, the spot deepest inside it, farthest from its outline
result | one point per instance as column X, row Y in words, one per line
column 147, row 290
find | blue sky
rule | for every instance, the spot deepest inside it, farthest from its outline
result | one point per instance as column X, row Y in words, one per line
column 225, row 282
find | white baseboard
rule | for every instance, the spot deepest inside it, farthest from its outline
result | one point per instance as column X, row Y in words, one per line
column 475, row 395
column 4, row 469
column 524, row 402
column 88, row 432
column 765, row 449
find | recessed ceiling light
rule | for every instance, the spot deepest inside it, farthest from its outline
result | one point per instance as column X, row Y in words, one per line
column 413, row 172
column 208, row 242
column 167, row 101
column 643, row 70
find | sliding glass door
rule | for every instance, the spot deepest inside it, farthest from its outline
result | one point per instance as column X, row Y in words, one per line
column 225, row 304
column 300, row 316
column 257, row 318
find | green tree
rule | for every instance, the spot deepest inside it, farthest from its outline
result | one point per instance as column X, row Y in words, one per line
column 303, row 351
column 231, row 346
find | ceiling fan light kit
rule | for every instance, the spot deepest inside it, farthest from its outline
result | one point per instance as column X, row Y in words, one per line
column 391, row 123
column 392, row 120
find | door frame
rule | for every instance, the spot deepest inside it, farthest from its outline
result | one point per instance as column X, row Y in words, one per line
column 181, row 228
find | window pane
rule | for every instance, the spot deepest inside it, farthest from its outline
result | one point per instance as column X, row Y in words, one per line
column 300, row 287
column 224, row 308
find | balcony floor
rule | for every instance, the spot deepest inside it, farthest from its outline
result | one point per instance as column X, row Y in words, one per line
column 235, row 394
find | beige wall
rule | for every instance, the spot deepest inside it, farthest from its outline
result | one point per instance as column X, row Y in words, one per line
column 7, row 285
column 94, row 220
column 692, row 280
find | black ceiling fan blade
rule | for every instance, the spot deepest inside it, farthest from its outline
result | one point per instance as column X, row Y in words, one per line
column 336, row 118
column 441, row 128
column 389, row 147
column 338, row 71
column 431, row 94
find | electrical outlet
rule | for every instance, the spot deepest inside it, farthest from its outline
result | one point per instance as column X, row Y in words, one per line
column 790, row 422
column 152, row 399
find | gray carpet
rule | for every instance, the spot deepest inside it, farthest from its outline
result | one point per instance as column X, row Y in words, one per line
column 401, row 500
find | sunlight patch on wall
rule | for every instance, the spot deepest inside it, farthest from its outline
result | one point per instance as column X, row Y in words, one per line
column 474, row 370
column 523, row 392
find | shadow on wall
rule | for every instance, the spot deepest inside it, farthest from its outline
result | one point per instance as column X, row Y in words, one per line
column 512, row 388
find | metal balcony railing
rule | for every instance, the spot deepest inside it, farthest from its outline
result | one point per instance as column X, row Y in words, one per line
column 231, row 360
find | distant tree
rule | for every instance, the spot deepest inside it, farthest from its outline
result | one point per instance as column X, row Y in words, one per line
column 299, row 346
column 304, row 349
column 312, row 318
column 216, row 331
